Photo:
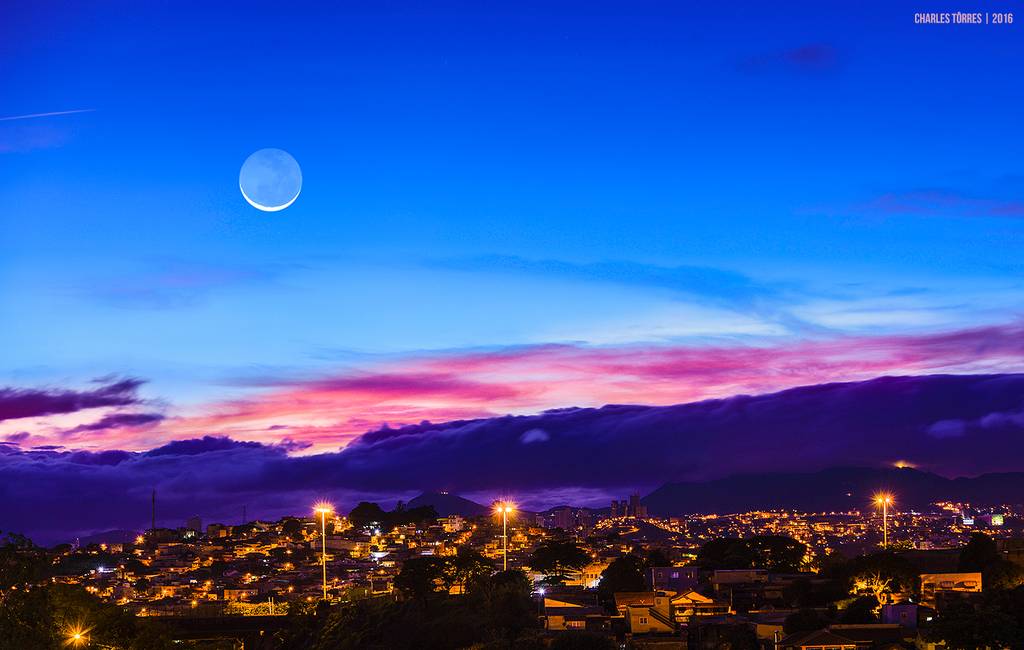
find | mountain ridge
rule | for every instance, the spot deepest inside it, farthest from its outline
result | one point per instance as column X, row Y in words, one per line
column 837, row 488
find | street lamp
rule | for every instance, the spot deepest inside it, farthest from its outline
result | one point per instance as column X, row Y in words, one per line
column 323, row 509
column 504, row 508
column 885, row 500
column 77, row 637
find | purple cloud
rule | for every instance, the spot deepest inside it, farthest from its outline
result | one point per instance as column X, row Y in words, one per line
column 588, row 451
column 118, row 421
column 26, row 403
column 203, row 445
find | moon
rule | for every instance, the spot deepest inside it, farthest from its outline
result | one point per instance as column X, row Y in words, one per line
column 270, row 180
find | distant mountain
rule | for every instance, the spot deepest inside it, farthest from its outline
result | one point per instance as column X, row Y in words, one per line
column 842, row 488
column 109, row 537
column 449, row 504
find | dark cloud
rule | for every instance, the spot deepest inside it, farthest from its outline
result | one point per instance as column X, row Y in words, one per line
column 26, row 403
column 593, row 452
column 202, row 445
column 118, row 421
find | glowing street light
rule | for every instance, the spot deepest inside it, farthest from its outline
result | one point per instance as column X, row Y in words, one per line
column 77, row 637
column 323, row 508
column 885, row 500
column 504, row 508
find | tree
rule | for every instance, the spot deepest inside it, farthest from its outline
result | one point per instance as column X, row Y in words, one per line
column 423, row 576
column 292, row 528
column 418, row 516
column 964, row 626
column 43, row 617
column 657, row 557
column 725, row 553
column 982, row 554
column 804, row 620
column 496, row 613
column 777, row 553
column 21, row 561
column 736, row 637
column 504, row 601
column 979, row 552
column 879, row 574
column 625, row 573
column 366, row 514
column 860, row 610
column 464, row 567
column 771, row 552
column 558, row 559
column 420, row 577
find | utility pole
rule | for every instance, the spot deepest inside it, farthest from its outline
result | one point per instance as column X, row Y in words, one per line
column 153, row 510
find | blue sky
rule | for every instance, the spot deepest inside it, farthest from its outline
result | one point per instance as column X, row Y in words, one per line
column 487, row 176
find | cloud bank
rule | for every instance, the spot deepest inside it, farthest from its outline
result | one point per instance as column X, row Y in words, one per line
column 328, row 412
column 547, row 458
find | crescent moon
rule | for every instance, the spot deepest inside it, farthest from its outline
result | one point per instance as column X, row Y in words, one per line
column 270, row 180
column 267, row 208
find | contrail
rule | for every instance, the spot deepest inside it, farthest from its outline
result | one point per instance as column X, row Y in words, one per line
column 32, row 115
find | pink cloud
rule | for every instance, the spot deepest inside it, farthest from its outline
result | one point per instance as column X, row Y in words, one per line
column 329, row 412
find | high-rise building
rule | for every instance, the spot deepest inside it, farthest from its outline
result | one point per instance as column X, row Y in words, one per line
column 563, row 518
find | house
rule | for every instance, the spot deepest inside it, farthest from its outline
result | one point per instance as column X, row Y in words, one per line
column 644, row 619
column 646, row 612
column 674, row 578
column 874, row 636
column 724, row 579
column 240, row 593
column 575, row 618
column 624, row 599
column 907, row 614
column 570, row 599
column 589, row 575
column 691, row 604
column 935, row 585
column 877, row 636
column 817, row 640
column 573, row 611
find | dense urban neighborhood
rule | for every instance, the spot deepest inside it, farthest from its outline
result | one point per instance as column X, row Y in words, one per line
column 445, row 572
